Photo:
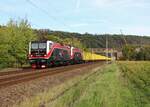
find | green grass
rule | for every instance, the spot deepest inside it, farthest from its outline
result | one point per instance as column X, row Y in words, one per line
column 121, row 84
column 107, row 88
column 137, row 75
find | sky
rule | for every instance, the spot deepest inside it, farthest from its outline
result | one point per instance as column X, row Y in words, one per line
column 91, row 16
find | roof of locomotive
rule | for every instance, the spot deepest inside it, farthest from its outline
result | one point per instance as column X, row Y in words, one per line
column 42, row 41
column 38, row 41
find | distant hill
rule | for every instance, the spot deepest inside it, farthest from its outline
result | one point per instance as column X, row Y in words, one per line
column 98, row 40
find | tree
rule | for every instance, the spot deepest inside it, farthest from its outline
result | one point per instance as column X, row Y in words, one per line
column 128, row 52
column 136, row 53
column 14, row 39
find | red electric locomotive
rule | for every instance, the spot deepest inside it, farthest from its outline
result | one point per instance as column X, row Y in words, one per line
column 44, row 54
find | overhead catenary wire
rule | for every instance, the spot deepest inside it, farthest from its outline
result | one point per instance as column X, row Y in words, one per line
column 47, row 13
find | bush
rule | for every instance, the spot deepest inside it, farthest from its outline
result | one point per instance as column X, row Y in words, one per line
column 14, row 39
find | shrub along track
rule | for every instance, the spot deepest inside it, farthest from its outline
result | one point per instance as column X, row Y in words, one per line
column 8, row 79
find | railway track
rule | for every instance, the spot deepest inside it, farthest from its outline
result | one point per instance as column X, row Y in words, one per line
column 24, row 70
column 14, row 72
column 15, row 77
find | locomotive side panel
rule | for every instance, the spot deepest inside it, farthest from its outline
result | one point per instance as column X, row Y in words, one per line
column 59, row 57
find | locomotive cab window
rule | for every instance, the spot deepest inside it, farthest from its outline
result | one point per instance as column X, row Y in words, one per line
column 42, row 45
column 34, row 46
column 38, row 48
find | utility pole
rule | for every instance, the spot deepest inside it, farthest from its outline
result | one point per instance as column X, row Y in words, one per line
column 124, row 41
column 141, row 41
column 123, row 36
column 106, row 48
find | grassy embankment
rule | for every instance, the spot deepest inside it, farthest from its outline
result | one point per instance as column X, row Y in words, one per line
column 125, row 84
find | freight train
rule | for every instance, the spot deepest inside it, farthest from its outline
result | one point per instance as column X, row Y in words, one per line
column 43, row 54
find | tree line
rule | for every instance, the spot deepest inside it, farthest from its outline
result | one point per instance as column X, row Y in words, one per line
column 99, row 40
column 131, row 52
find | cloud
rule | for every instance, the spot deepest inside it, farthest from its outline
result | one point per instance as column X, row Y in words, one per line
column 77, row 5
column 120, row 3
column 79, row 25
column 106, row 3
column 97, row 21
column 139, row 30
column 6, row 8
column 142, row 30
column 87, row 22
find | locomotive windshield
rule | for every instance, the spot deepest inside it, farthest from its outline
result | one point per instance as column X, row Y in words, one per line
column 42, row 45
column 34, row 46
column 38, row 48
